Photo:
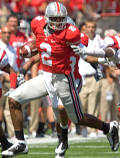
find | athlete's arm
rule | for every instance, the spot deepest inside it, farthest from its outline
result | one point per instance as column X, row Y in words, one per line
column 92, row 59
column 97, row 52
column 82, row 50
column 33, row 60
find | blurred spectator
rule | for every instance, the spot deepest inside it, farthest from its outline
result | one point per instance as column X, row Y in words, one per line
column 38, row 6
column 17, row 5
column 118, row 34
column 113, row 6
column 25, row 27
column 76, row 5
column 34, row 121
column 109, row 95
column 34, row 107
column 92, row 74
column 97, row 7
column 21, row 8
column 17, row 38
column 85, row 9
column 4, row 12
column 82, row 27
column 46, row 116
column 4, row 44
column 76, row 10
column 110, row 32
column 110, row 85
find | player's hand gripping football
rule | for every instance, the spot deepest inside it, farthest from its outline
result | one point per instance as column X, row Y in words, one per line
column 28, row 49
column 110, row 52
column 113, row 55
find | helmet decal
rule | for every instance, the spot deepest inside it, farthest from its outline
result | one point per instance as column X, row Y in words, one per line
column 58, row 7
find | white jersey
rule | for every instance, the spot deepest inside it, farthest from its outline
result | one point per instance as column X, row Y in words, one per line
column 96, row 42
column 95, row 46
column 85, row 68
column 11, row 54
column 3, row 59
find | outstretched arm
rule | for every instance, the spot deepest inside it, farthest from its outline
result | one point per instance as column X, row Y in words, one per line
column 97, row 52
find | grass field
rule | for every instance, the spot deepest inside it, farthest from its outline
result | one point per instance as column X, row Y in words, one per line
column 98, row 148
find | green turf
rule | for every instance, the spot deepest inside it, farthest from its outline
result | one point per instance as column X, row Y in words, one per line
column 90, row 149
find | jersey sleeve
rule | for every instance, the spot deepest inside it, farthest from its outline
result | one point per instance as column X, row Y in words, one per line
column 84, row 39
column 34, row 25
column 90, row 51
column 73, row 35
column 3, row 59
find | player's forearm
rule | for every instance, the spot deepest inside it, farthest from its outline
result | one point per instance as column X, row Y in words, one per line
column 82, row 50
column 27, row 66
column 95, row 52
column 92, row 59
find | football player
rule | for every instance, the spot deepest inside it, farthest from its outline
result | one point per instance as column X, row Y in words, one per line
column 54, row 36
column 5, row 66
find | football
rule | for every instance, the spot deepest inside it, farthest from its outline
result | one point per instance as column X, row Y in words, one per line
column 28, row 49
column 109, row 51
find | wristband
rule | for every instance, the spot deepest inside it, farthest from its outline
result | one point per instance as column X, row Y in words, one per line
column 101, row 60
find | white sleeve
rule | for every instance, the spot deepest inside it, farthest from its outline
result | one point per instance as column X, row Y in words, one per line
column 11, row 54
column 4, row 61
column 96, row 52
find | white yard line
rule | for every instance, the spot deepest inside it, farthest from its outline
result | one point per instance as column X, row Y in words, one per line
column 73, row 138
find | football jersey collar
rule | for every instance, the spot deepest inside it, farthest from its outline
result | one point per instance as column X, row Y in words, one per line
column 48, row 31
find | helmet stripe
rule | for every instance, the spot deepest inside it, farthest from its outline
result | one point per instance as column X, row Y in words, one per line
column 58, row 7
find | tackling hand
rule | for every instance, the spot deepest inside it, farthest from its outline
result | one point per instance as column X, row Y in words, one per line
column 77, row 49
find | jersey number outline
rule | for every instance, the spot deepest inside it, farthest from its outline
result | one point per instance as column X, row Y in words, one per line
column 46, row 54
